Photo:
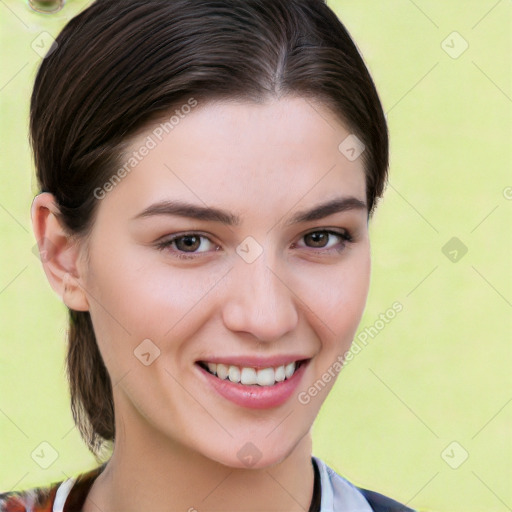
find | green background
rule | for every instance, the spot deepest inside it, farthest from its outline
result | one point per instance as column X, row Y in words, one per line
column 440, row 371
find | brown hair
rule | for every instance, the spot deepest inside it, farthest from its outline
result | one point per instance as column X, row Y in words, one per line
column 122, row 63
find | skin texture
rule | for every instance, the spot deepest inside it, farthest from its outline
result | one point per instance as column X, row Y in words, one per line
column 177, row 439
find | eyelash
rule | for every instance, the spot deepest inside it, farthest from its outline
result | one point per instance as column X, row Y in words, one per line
column 345, row 236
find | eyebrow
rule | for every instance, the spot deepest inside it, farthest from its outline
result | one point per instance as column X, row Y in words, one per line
column 194, row 211
column 340, row 204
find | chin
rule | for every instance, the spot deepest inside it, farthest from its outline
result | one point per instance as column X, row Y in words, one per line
column 257, row 454
column 254, row 460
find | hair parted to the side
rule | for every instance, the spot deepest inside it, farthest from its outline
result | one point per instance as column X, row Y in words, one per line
column 123, row 63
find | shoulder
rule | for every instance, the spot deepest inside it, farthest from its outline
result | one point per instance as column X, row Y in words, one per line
column 28, row 500
column 340, row 494
column 71, row 492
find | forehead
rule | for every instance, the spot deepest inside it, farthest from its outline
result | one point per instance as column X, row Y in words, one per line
column 243, row 154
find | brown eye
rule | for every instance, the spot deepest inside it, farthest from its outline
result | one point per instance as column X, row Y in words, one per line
column 317, row 239
column 327, row 239
column 188, row 243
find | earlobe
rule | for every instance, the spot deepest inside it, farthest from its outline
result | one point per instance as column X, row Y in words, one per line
column 59, row 252
column 73, row 295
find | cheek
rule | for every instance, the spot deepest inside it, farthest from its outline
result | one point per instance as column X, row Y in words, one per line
column 336, row 296
column 132, row 301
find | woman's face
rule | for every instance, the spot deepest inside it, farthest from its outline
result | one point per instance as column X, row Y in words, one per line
column 235, row 262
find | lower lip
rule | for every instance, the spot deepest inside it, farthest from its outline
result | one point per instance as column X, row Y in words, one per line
column 256, row 397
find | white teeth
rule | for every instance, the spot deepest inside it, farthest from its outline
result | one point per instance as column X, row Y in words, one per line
column 222, row 371
column 234, row 374
column 251, row 376
column 266, row 377
column 279, row 374
column 248, row 376
column 289, row 369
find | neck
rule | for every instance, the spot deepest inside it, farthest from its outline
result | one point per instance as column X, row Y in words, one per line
column 152, row 472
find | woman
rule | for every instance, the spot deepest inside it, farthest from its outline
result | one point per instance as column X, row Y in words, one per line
column 207, row 173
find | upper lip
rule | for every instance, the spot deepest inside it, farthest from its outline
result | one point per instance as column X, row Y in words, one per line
column 256, row 361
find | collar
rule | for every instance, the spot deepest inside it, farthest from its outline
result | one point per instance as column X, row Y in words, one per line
column 62, row 494
column 338, row 493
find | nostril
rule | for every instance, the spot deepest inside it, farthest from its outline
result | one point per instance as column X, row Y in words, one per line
column 46, row 6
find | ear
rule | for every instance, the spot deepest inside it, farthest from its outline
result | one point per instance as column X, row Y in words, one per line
column 59, row 252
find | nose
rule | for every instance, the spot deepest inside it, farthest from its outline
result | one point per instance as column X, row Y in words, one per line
column 258, row 301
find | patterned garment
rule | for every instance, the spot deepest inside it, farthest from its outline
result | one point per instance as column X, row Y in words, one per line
column 46, row 499
column 331, row 493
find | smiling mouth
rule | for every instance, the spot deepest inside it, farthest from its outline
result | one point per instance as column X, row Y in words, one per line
column 249, row 376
